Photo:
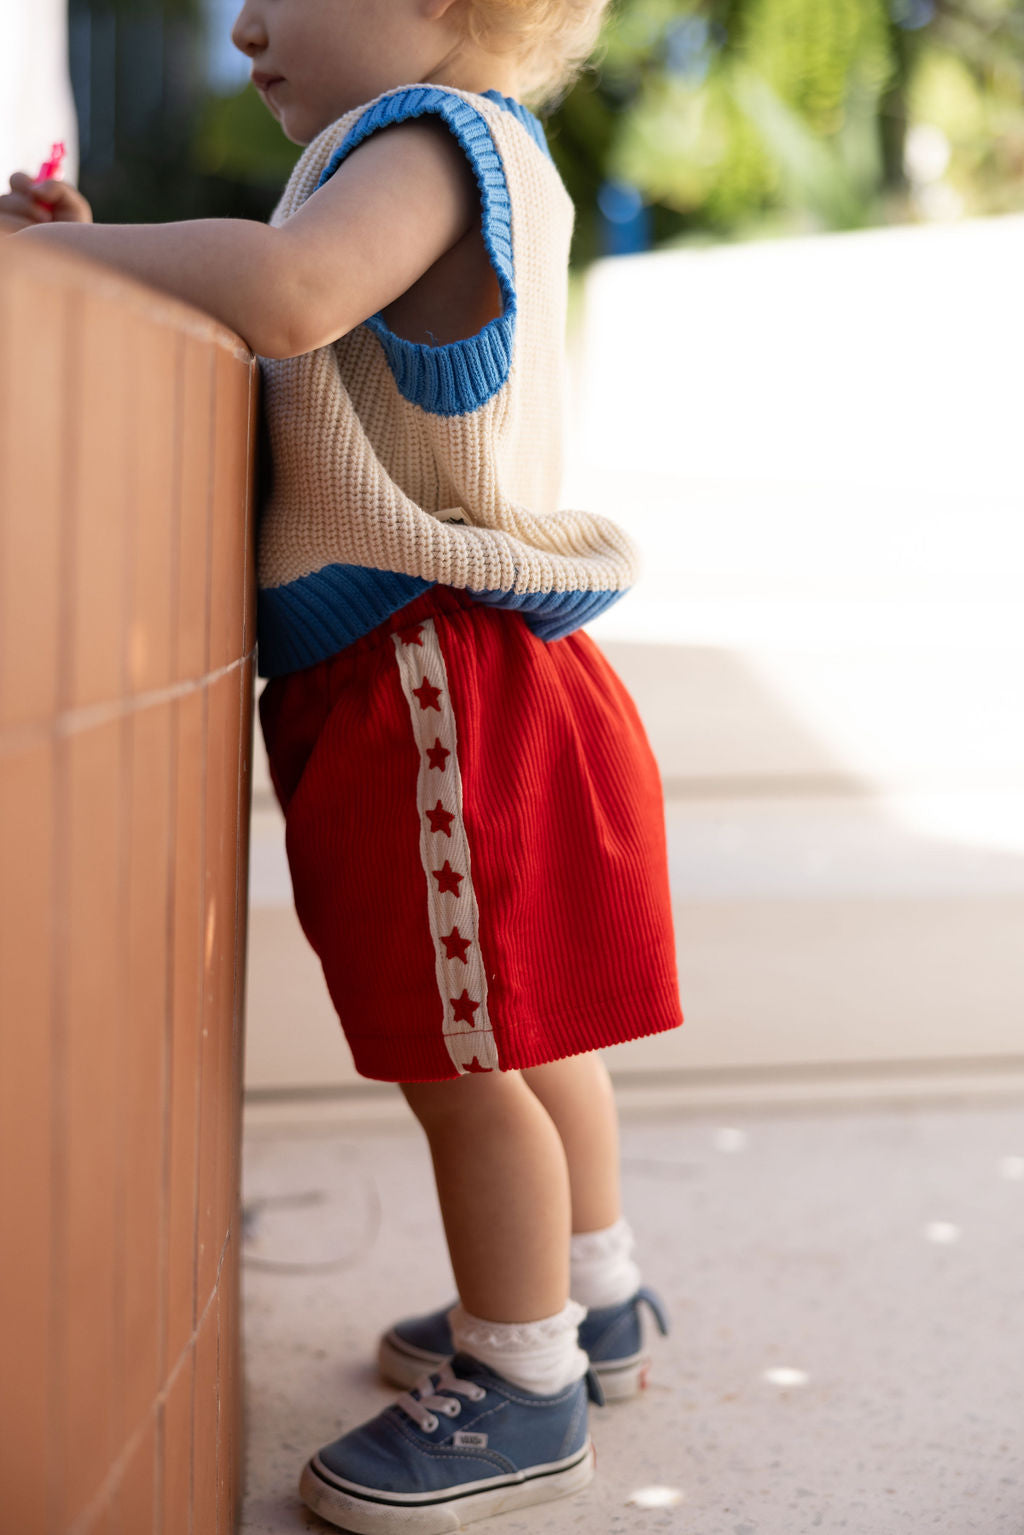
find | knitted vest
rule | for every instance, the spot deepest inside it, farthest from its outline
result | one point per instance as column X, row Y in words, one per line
column 396, row 465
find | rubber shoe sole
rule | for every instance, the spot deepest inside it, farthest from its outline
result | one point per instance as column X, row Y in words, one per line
column 367, row 1511
column 624, row 1379
column 403, row 1364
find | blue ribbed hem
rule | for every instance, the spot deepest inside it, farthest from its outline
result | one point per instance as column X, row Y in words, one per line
column 460, row 376
column 552, row 615
column 308, row 620
column 305, row 621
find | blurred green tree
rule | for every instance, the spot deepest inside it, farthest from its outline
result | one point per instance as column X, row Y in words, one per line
column 739, row 116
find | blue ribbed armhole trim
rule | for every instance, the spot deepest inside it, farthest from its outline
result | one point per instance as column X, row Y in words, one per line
column 459, row 377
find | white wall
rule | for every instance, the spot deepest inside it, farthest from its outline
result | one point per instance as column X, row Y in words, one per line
column 817, row 444
column 36, row 105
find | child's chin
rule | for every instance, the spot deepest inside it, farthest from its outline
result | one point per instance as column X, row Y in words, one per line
column 296, row 132
column 296, row 135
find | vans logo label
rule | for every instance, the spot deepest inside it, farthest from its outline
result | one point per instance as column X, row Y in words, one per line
column 466, row 1441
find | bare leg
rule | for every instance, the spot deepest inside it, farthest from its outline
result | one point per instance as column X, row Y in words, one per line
column 578, row 1096
column 503, row 1187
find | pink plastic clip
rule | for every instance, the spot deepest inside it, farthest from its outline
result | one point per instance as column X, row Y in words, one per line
column 52, row 169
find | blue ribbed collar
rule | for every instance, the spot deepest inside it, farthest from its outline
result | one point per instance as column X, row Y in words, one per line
column 532, row 124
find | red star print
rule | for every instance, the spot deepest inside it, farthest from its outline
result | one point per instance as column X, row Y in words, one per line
column 441, row 819
column 412, row 636
column 437, row 755
column 455, row 945
column 462, row 1008
column 428, row 695
column 475, row 1065
column 447, row 879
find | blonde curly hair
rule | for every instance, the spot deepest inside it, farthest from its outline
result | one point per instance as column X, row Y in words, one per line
column 550, row 39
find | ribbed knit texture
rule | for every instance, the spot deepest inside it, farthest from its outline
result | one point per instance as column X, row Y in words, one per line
column 397, row 465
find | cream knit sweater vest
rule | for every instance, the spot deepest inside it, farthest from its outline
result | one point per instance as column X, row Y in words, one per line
column 395, row 466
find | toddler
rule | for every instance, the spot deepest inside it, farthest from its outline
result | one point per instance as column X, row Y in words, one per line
column 474, row 817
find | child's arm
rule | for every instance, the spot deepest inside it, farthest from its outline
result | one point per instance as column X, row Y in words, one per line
column 389, row 212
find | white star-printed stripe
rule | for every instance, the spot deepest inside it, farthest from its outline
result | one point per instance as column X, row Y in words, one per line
column 451, row 898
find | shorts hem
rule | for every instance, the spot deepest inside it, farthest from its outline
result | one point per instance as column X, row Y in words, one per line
column 538, row 1044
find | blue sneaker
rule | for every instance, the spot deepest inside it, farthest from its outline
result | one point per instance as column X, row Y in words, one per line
column 462, row 1445
column 611, row 1335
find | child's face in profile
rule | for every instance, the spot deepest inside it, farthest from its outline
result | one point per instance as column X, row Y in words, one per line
column 313, row 60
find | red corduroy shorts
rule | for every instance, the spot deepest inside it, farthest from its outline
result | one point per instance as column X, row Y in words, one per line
column 476, row 836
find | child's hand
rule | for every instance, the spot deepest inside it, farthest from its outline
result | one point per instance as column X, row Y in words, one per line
column 41, row 202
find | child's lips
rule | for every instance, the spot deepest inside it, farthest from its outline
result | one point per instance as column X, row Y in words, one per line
column 265, row 83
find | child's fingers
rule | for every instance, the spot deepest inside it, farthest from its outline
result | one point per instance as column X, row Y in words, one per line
column 19, row 205
column 25, row 188
column 66, row 202
column 20, row 202
column 48, row 200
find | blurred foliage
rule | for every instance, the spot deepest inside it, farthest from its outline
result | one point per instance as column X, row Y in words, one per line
column 236, row 137
column 730, row 117
column 739, row 117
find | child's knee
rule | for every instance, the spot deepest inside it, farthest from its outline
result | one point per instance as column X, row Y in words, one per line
column 460, row 1100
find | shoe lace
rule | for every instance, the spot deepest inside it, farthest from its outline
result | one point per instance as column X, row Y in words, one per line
column 436, row 1393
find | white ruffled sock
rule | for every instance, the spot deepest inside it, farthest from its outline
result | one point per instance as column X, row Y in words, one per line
column 601, row 1267
column 540, row 1356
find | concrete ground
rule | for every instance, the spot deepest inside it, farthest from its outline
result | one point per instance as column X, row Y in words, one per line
column 844, row 1280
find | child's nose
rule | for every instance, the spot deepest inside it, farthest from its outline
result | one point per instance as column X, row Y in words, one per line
column 248, row 33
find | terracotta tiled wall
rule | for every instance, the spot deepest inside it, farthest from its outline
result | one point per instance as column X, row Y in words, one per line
column 126, row 639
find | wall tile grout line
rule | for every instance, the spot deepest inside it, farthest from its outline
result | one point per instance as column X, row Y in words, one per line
column 125, row 845
column 59, row 1020
column 98, row 1505
column 243, row 798
column 242, row 801
column 220, row 1402
column 22, row 738
column 211, row 499
column 201, row 1084
column 163, row 1307
column 118, row 1291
